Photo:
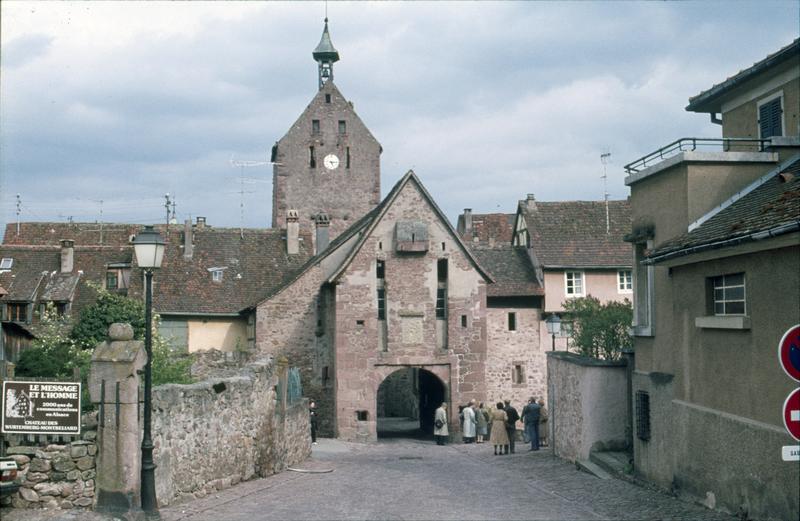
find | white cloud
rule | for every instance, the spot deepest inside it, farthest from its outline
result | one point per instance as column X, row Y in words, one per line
column 487, row 101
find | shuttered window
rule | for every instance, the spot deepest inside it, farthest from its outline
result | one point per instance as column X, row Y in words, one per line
column 770, row 116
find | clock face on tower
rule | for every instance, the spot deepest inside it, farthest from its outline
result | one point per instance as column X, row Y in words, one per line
column 331, row 162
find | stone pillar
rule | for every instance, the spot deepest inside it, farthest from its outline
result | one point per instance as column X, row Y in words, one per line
column 114, row 385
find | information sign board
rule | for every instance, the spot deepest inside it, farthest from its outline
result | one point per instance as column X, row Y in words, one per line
column 41, row 408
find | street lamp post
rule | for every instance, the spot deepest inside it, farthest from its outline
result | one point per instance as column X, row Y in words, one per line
column 149, row 248
column 553, row 323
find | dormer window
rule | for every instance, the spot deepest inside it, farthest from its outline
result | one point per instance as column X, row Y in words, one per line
column 216, row 274
column 6, row 263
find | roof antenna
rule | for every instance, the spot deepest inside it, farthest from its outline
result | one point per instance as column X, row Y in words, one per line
column 242, row 163
column 167, row 205
column 19, row 210
column 605, row 158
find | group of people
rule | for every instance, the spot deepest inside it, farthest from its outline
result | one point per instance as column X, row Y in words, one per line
column 479, row 421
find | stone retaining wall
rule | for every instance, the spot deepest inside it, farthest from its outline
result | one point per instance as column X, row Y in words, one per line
column 56, row 476
column 216, row 433
column 588, row 405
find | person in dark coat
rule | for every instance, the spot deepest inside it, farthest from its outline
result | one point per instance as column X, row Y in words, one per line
column 511, row 424
column 531, row 414
column 312, row 412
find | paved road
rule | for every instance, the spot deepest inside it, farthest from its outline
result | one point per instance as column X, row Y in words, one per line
column 402, row 479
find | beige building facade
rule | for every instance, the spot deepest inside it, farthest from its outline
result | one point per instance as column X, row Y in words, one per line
column 716, row 286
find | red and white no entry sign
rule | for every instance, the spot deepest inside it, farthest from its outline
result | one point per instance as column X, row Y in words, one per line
column 791, row 414
column 789, row 352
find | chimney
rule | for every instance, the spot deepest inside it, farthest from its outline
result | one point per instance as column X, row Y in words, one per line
column 467, row 220
column 292, row 233
column 531, row 202
column 67, row 255
column 323, row 222
column 188, row 243
column 201, row 223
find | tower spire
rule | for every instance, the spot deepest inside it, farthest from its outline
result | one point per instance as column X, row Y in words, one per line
column 325, row 55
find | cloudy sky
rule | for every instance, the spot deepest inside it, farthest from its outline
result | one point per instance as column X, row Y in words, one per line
column 107, row 106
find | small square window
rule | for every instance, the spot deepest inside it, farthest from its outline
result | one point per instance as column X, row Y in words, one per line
column 512, row 321
column 625, row 281
column 315, row 126
column 6, row 263
column 728, row 292
column 342, row 127
column 574, row 283
column 216, row 275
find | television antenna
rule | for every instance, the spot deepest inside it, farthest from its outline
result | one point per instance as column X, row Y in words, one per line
column 605, row 158
column 242, row 164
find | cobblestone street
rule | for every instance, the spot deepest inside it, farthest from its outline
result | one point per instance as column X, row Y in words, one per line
column 415, row 479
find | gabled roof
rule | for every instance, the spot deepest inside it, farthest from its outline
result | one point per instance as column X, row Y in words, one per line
column 360, row 230
column 512, row 270
column 572, row 234
column 84, row 234
column 380, row 210
column 771, row 208
column 711, row 100
column 488, row 230
column 329, row 87
column 253, row 262
column 35, row 275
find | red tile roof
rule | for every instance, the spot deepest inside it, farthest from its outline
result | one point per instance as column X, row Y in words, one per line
column 573, row 234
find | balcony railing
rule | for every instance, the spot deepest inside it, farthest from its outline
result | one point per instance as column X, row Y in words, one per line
column 693, row 143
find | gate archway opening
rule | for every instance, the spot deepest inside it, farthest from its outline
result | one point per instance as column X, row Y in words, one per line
column 406, row 402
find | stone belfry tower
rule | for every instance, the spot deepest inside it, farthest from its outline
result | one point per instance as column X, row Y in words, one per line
column 327, row 166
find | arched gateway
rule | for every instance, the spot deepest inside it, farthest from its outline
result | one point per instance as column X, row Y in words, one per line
column 406, row 400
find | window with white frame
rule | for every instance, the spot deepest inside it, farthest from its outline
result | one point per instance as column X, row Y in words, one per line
column 6, row 263
column 625, row 281
column 574, row 283
column 729, row 294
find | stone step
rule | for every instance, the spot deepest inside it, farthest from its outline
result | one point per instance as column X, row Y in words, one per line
column 613, row 462
column 592, row 468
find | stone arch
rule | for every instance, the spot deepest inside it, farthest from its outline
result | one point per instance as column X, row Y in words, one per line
column 406, row 398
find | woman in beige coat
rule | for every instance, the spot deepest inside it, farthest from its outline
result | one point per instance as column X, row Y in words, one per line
column 542, row 423
column 499, row 436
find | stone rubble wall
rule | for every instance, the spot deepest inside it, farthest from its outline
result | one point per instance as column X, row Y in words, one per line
column 213, row 434
column 56, row 476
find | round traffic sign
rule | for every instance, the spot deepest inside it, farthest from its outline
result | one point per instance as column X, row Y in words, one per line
column 791, row 414
column 789, row 352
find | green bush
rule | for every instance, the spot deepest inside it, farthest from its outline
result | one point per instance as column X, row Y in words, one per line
column 60, row 347
column 92, row 326
column 600, row 330
column 54, row 354
column 169, row 366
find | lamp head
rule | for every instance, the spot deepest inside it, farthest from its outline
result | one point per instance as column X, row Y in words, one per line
column 149, row 248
